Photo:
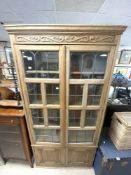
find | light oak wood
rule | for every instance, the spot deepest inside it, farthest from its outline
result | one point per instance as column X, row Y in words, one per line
column 46, row 126
column 39, row 80
column 10, row 103
column 108, row 79
column 60, row 34
column 120, row 130
column 44, row 102
column 65, row 39
column 86, row 81
column 62, row 94
column 85, row 128
column 46, row 156
column 82, row 119
column 67, row 97
column 81, row 156
column 6, row 83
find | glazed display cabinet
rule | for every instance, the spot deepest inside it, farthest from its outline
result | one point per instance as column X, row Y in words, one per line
column 64, row 75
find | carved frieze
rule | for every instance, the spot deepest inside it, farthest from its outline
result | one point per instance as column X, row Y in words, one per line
column 65, row 38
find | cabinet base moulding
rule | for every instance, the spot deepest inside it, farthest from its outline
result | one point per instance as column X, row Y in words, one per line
column 56, row 156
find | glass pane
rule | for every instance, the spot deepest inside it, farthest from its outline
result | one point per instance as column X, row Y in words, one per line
column 52, row 93
column 37, row 116
column 74, row 117
column 79, row 136
column 54, row 117
column 88, row 65
column 47, row 135
column 34, row 93
column 76, row 92
column 41, row 64
column 94, row 94
column 90, row 118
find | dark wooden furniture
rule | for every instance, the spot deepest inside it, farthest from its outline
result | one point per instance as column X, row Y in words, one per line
column 15, row 120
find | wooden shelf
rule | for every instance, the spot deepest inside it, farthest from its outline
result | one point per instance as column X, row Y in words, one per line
column 11, row 103
column 82, row 129
column 7, row 83
column 41, row 71
column 9, row 67
column 123, row 65
column 87, row 73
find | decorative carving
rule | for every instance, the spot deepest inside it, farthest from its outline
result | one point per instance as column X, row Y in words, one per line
column 65, row 38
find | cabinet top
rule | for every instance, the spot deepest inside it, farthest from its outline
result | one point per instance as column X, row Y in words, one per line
column 31, row 28
column 64, row 34
column 10, row 112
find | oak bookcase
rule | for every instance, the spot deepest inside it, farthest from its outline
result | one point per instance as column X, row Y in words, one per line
column 64, row 74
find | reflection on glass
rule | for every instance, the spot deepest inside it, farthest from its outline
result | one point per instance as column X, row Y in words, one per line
column 34, row 92
column 88, row 65
column 47, row 135
column 76, row 92
column 41, row 64
column 90, row 118
column 74, row 117
column 54, row 117
column 52, row 93
column 37, row 116
column 94, row 94
column 79, row 136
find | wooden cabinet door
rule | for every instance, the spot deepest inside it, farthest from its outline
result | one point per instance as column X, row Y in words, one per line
column 87, row 82
column 49, row 156
column 41, row 71
column 64, row 108
column 81, row 156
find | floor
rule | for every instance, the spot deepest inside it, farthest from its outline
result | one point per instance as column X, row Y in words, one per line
column 13, row 167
